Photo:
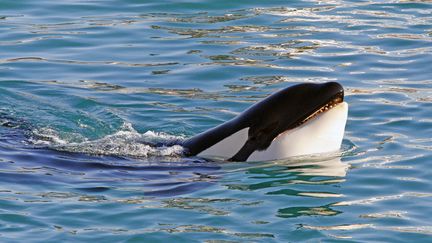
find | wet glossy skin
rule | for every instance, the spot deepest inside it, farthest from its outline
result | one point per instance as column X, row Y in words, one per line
column 270, row 117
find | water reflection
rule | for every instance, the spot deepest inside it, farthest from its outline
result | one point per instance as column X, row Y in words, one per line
column 295, row 171
column 298, row 178
column 292, row 212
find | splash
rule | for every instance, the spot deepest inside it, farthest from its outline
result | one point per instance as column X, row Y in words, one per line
column 125, row 142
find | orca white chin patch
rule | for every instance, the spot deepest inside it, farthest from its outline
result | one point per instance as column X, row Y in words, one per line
column 322, row 134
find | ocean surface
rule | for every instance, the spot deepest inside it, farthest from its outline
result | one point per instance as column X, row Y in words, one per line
column 88, row 89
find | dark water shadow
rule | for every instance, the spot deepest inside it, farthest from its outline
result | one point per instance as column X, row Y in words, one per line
column 28, row 166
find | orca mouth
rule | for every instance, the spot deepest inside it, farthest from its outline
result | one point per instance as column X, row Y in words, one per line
column 333, row 102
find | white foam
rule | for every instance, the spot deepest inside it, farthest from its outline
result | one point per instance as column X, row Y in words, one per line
column 125, row 142
column 46, row 136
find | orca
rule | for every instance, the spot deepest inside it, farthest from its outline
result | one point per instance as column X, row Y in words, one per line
column 302, row 119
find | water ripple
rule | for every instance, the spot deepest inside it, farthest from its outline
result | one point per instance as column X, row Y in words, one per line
column 40, row 59
column 82, row 84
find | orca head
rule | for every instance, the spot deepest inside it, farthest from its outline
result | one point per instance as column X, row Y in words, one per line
column 301, row 119
column 273, row 120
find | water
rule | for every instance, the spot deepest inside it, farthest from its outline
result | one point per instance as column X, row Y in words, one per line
column 88, row 88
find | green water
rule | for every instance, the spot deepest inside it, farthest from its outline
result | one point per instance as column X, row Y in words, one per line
column 87, row 86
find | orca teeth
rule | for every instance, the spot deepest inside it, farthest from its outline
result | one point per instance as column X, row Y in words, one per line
column 325, row 108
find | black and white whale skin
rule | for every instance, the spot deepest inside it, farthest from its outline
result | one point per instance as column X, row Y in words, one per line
column 302, row 119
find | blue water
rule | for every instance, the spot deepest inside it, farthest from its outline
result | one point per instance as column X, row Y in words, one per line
column 88, row 87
